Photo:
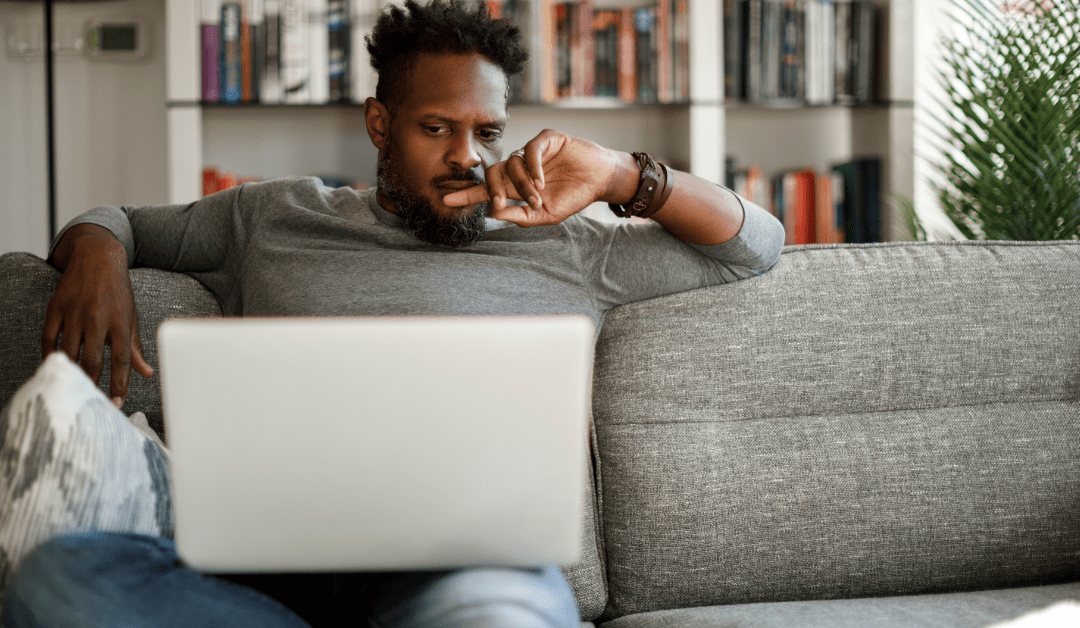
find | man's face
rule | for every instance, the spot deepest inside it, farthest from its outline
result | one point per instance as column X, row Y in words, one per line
column 442, row 136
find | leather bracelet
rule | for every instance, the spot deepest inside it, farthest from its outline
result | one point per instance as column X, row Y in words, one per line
column 653, row 189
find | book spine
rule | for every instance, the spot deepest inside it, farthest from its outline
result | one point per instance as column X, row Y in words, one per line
column 521, row 85
column 319, row 39
column 245, row 51
column 230, row 69
column 271, row 92
column 645, row 46
column 210, row 34
column 733, row 57
column 844, row 62
column 362, row 82
column 257, row 38
column 681, row 50
column 605, row 34
column 870, row 187
column 805, row 206
column 563, row 49
column 864, row 25
column 338, row 42
column 824, row 211
column 754, row 68
column 627, row 56
column 665, row 91
column 295, row 56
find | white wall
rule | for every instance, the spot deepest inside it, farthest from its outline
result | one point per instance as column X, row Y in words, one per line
column 110, row 122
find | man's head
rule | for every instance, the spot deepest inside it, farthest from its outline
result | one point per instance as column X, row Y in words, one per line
column 439, row 111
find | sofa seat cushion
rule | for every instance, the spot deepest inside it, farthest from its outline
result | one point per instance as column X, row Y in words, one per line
column 977, row 609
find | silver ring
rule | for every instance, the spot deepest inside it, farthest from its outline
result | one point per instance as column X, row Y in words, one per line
column 518, row 153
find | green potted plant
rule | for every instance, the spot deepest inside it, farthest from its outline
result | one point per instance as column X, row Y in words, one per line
column 1010, row 167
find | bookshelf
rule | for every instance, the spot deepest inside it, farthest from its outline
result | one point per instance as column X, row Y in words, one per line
column 695, row 135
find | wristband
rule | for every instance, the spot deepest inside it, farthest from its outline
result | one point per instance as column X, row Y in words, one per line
column 653, row 189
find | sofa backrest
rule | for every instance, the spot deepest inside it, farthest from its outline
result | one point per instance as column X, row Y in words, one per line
column 862, row 420
column 26, row 285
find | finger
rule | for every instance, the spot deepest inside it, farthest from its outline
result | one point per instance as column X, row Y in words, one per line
column 468, row 196
column 120, row 354
column 70, row 341
column 535, row 164
column 495, row 180
column 523, row 183
column 93, row 355
column 138, row 360
column 517, row 214
column 50, row 333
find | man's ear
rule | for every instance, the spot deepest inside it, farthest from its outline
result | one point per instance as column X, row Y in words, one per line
column 377, row 118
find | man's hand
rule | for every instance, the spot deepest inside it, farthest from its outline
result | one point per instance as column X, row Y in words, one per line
column 93, row 307
column 559, row 176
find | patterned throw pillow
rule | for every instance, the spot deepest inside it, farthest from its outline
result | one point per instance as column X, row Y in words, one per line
column 69, row 461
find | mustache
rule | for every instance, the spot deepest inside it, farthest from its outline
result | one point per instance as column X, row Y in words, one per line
column 469, row 176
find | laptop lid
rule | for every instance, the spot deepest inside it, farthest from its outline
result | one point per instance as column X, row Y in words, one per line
column 366, row 444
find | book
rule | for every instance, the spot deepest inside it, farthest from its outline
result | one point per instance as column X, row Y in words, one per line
column 209, row 32
column 734, row 50
column 864, row 18
column 319, row 50
column 230, row 69
column 680, row 50
column 645, row 45
column 362, row 76
column 605, row 28
column 627, row 49
column 338, row 40
column 295, row 55
column 753, row 70
column 255, row 10
column 860, row 207
column 804, row 206
column 845, row 62
column 270, row 84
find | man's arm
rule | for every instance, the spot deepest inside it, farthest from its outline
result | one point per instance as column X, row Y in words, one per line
column 94, row 307
column 560, row 175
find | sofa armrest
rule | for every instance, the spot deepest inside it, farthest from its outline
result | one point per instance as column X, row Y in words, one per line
column 26, row 285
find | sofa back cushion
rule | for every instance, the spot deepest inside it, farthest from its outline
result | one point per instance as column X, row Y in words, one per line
column 28, row 282
column 860, row 421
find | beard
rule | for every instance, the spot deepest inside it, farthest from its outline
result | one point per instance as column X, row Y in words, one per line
column 419, row 214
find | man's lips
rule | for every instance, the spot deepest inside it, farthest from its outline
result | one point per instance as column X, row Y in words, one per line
column 456, row 185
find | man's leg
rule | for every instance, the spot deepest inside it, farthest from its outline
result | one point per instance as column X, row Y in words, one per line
column 95, row 579
column 476, row 598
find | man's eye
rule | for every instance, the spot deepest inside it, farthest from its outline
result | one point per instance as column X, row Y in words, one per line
column 490, row 135
column 435, row 130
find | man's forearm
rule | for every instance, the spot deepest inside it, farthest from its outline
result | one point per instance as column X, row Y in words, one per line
column 698, row 212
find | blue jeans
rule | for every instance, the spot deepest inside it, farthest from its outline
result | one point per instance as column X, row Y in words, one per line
column 129, row 580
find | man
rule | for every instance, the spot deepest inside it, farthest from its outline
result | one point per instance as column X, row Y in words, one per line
column 437, row 236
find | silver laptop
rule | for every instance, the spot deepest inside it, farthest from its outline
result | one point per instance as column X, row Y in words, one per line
column 364, row 444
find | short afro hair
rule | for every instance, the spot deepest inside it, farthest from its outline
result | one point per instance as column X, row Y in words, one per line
column 441, row 26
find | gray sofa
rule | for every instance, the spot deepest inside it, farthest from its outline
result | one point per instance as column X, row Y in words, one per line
column 867, row 435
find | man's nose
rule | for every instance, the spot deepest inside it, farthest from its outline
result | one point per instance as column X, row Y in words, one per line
column 463, row 154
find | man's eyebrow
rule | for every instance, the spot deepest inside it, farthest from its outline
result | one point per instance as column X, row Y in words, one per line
column 429, row 117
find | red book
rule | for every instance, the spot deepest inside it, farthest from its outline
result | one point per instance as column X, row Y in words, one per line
column 245, row 54
column 805, row 200
column 209, row 180
column 627, row 55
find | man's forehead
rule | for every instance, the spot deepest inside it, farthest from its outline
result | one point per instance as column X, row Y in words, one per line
column 456, row 85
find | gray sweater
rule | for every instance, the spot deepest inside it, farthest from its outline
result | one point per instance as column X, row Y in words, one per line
column 293, row 247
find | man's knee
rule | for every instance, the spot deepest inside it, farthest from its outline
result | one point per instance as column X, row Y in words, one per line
column 68, row 578
column 489, row 598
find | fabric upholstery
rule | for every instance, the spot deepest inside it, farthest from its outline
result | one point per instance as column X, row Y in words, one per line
column 28, row 283
column 952, row 610
column 70, row 461
column 859, row 421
